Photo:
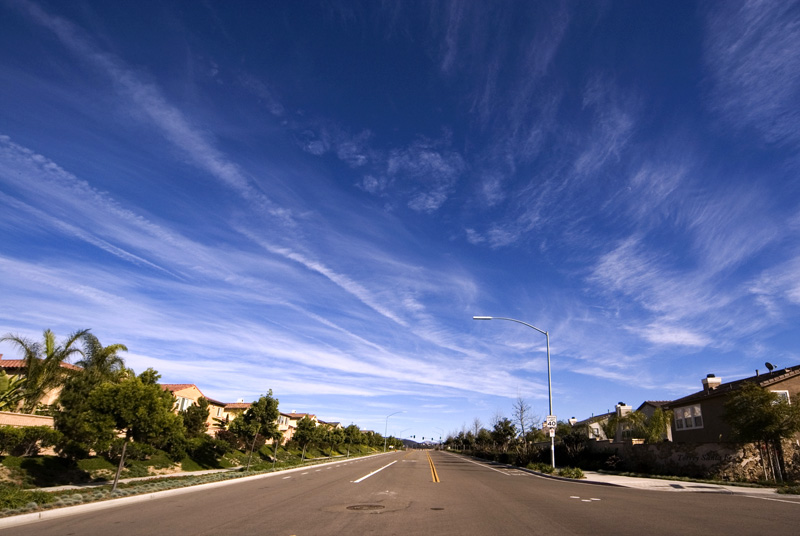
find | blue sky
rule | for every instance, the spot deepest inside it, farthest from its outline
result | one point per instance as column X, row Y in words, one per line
column 316, row 198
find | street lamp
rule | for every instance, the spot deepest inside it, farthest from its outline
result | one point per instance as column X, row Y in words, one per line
column 386, row 429
column 549, row 381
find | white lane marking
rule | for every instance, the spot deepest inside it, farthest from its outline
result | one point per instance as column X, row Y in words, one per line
column 770, row 499
column 487, row 467
column 595, row 499
column 304, row 473
column 373, row 472
column 574, row 497
column 286, row 477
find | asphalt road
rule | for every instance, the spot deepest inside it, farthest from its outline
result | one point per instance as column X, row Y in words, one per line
column 404, row 497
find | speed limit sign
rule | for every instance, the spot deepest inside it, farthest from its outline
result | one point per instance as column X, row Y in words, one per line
column 551, row 422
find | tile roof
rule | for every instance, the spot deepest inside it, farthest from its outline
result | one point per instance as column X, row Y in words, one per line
column 238, row 405
column 20, row 363
column 177, row 386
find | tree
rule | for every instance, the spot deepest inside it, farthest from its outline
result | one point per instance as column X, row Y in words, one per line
column 504, row 431
column 652, row 429
column 758, row 415
column 352, row 436
column 305, row 434
column 336, row 438
column 524, row 419
column 103, row 362
column 75, row 417
column 43, row 370
column 195, row 419
column 261, row 418
column 138, row 408
column 10, row 391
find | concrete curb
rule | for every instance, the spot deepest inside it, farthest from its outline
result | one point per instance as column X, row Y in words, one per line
column 565, row 479
column 55, row 513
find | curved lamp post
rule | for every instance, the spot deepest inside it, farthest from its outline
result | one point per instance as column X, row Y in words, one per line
column 386, row 429
column 549, row 381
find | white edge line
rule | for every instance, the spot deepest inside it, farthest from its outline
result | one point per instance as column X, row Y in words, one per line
column 487, row 467
column 771, row 499
column 373, row 472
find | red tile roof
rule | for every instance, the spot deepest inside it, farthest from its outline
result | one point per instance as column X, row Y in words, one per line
column 20, row 363
column 238, row 405
column 177, row 386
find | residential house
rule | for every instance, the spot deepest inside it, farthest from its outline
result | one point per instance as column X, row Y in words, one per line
column 649, row 407
column 595, row 426
column 187, row 394
column 331, row 425
column 699, row 417
column 16, row 368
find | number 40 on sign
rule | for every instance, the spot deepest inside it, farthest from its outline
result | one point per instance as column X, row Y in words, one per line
column 551, row 421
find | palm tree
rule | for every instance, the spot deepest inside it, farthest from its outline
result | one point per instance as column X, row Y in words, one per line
column 10, row 391
column 101, row 362
column 43, row 370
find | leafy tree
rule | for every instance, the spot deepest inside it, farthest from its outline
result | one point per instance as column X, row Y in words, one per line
column 26, row 441
column 758, row 415
column 484, row 438
column 76, row 420
column 336, row 438
column 140, row 409
column 504, row 431
column 195, row 419
column 43, row 370
column 305, row 434
column 261, row 418
column 352, row 436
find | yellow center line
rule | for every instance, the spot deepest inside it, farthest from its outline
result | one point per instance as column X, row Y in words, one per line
column 434, row 474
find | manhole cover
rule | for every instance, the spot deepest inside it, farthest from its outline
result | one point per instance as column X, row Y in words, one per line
column 366, row 507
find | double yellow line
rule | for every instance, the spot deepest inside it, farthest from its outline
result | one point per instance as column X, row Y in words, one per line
column 434, row 474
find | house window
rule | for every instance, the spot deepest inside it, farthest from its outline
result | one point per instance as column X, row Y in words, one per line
column 688, row 417
column 784, row 395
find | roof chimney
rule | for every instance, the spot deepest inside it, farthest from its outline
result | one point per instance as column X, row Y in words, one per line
column 622, row 409
column 711, row 382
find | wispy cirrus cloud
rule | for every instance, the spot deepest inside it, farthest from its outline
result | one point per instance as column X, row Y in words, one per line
column 149, row 102
column 752, row 53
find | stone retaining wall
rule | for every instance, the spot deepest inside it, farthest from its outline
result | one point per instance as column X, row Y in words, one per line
column 720, row 461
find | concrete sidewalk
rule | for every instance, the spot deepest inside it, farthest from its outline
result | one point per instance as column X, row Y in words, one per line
column 657, row 484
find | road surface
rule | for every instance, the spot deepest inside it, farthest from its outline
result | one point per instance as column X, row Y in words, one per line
column 430, row 492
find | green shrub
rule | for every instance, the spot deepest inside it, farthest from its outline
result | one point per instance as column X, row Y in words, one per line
column 790, row 490
column 541, row 468
column 12, row 496
column 95, row 463
column 570, row 472
column 26, row 441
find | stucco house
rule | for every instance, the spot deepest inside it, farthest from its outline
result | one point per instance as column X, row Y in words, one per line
column 699, row 417
column 187, row 394
column 595, row 426
column 16, row 368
